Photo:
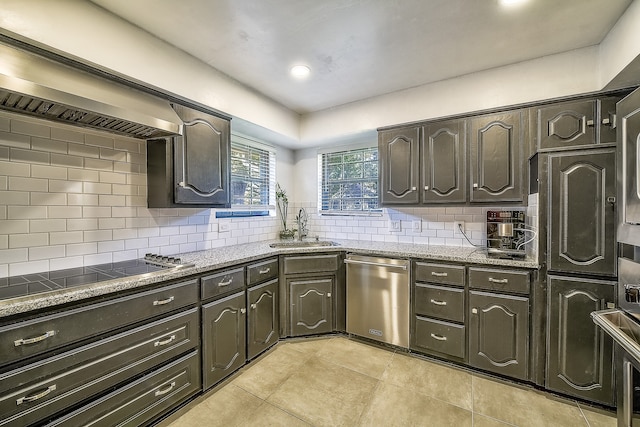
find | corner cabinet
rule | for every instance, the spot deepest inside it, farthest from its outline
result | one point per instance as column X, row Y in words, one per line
column 582, row 215
column 194, row 168
column 496, row 165
column 399, row 173
column 579, row 353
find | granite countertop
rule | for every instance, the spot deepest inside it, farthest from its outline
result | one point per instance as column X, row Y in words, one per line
column 212, row 259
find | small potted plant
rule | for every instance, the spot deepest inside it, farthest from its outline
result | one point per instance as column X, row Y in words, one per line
column 282, row 201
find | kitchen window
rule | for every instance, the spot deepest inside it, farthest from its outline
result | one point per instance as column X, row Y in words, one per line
column 348, row 181
column 253, row 175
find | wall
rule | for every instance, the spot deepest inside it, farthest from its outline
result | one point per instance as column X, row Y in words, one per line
column 70, row 197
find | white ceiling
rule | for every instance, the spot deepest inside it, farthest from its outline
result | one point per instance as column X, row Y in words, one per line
column 362, row 48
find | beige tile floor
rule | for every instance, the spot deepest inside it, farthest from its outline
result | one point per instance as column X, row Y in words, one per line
column 336, row 381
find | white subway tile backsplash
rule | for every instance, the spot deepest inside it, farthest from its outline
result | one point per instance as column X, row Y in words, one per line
column 111, row 246
column 28, row 156
column 65, row 237
column 14, row 226
column 82, row 199
column 4, row 241
column 65, row 160
column 16, row 198
column 19, row 268
column 61, row 186
column 51, row 172
column 84, row 175
column 99, row 140
column 4, row 183
column 14, row 140
column 79, row 249
column 98, row 164
column 68, row 135
column 27, row 212
column 5, row 124
column 98, row 258
column 125, row 233
column 48, row 199
column 113, row 177
column 27, row 240
column 47, row 225
column 96, row 212
column 82, row 224
column 67, row 262
column 84, row 151
column 28, row 184
column 110, row 223
column 46, row 252
column 63, row 211
column 97, row 235
column 111, row 200
column 48, row 145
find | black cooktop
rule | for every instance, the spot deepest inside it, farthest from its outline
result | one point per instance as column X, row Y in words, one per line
column 36, row 283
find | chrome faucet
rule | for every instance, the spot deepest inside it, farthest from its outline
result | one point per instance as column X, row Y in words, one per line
column 302, row 223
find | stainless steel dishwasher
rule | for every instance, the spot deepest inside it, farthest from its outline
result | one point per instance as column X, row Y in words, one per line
column 378, row 298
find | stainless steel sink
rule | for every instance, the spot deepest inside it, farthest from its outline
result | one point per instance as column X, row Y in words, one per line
column 303, row 244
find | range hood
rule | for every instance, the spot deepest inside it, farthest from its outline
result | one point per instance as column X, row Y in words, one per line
column 34, row 85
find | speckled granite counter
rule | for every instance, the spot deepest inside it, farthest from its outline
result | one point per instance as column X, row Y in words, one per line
column 212, row 259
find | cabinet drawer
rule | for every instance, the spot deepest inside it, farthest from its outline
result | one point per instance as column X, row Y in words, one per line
column 142, row 400
column 439, row 301
column 516, row 281
column 310, row 264
column 439, row 273
column 261, row 272
column 222, row 282
column 441, row 337
column 96, row 367
column 27, row 338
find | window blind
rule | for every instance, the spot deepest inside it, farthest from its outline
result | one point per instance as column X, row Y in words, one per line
column 253, row 174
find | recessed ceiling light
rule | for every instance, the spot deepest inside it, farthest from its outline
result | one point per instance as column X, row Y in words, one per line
column 511, row 2
column 300, row 71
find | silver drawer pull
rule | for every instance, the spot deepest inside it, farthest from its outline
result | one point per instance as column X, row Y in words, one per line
column 590, row 123
column 435, row 273
column 163, row 301
column 438, row 337
column 436, row 302
column 165, row 390
column 491, row 279
column 36, row 396
column 254, row 306
column 227, row 283
column 165, row 342
column 23, row 341
column 243, row 310
column 265, row 271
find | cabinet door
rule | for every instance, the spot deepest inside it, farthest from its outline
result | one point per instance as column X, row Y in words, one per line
column 567, row 124
column 499, row 333
column 443, row 154
column 399, row 176
column 201, row 159
column 496, row 160
column 263, row 324
column 579, row 353
column 223, row 334
column 311, row 305
column 582, row 220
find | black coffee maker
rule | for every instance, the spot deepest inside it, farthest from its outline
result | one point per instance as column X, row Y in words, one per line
column 506, row 234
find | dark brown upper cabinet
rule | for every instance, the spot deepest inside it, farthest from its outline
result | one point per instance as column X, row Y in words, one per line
column 192, row 169
column 399, row 166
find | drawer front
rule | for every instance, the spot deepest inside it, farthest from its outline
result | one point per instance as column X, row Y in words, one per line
column 138, row 402
column 222, row 282
column 261, row 272
column 440, row 302
column 35, row 392
column 31, row 337
column 516, row 281
column 439, row 273
column 310, row 264
column 441, row 337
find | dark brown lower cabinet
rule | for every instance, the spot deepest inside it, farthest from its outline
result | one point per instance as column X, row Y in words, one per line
column 579, row 353
column 263, row 323
column 142, row 400
column 499, row 333
column 311, row 301
column 223, row 337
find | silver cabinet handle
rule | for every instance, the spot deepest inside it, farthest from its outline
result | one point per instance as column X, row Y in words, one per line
column 475, row 186
column 426, row 188
column 254, row 306
column 590, row 123
column 227, row 283
column 163, row 301
column 377, row 264
column 436, row 302
column 165, row 342
column 165, row 390
column 474, row 311
column 328, row 294
column 23, row 341
column 414, row 188
column 435, row 273
column 491, row 279
column 36, row 396
column 265, row 271
column 243, row 310
column 438, row 337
